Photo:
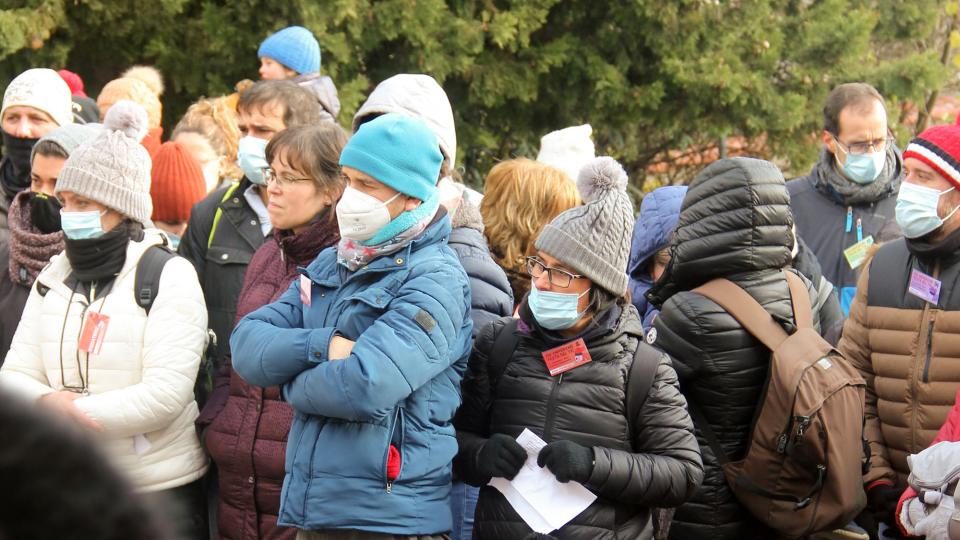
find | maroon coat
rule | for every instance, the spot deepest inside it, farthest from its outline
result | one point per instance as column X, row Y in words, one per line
column 247, row 438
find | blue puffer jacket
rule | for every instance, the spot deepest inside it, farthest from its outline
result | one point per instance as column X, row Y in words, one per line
column 409, row 314
column 658, row 217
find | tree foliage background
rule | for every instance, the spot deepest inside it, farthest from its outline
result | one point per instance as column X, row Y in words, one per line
column 654, row 77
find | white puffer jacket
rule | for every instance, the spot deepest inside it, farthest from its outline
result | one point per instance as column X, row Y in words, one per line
column 141, row 383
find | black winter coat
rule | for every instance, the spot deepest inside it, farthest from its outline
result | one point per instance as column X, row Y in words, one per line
column 221, row 266
column 735, row 223
column 650, row 460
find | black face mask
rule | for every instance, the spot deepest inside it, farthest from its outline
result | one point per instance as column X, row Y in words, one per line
column 44, row 212
column 15, row 175
column 96, row 259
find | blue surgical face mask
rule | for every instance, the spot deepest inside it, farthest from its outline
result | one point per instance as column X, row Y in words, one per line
column 555, row 311
column 82, row 225
column 252, row 158
column 917, row 209
column 864, row 168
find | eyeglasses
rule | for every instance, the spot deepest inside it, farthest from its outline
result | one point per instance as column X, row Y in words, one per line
column 282, row 182
column 557, row 277
column 859, row 148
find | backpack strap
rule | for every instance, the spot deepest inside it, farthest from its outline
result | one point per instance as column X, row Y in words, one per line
column 747, row 311
column 503, row 347
column 800, row 298
column 146, row 281
column 643, row 371
column 216, row 217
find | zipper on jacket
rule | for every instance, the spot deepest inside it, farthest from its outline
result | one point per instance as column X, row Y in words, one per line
column 925, row 358
column 926, row 364
column 386, row 474
column 849, row 226
column 551, row 401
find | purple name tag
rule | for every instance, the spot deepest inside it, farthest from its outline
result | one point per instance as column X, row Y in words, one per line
column 924, row 287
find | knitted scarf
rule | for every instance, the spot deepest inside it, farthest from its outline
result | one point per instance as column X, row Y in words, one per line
column 831, row 181
column 30, row 250
column 355, row 255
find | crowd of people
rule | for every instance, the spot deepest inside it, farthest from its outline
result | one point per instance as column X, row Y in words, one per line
column 266, row 326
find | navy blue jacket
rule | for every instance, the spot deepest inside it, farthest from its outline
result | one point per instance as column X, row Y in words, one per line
column 652, row 232
column 409, row 314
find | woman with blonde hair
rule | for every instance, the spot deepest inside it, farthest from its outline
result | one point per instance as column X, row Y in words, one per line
column 210, row 131
column 520, row 197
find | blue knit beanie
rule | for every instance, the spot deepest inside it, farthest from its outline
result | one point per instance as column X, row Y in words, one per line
column 399, row 151
column 294, row 47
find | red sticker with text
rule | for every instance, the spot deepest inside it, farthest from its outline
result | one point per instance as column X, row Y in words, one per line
column 94, row 330
column 566, row 357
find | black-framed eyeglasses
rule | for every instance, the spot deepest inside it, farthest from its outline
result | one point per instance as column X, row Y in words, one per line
column 558, row 278
column 271, row 177
column 865, row 147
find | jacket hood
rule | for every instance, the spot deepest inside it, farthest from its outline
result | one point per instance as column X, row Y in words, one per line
column 735, row 218
column 322, row 87
column 419, row 96
column 659, row 212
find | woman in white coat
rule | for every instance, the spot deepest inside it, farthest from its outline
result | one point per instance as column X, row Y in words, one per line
column 87, row 349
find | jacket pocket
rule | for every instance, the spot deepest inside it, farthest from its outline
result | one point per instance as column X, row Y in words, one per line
column 222, row 256
column 358, row 311
column 394, row 459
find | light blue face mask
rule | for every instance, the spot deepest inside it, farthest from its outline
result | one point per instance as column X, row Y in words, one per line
column 82, row 225
column 917, row 210
column 252, row 158
column 864, row 168
column 555, row 311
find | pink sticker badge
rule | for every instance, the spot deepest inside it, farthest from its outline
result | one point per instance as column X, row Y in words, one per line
column 924, row 287
column 305, row 287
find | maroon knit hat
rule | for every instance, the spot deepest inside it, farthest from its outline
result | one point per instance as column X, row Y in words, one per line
column 176, row 183
column 938, row 147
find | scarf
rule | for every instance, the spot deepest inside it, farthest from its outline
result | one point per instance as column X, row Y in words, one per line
column 355, row 255
column 30, row 249
column 97, row 259
column 15, row 167
column 830, row 181
column 925, row 248
column 303, row 247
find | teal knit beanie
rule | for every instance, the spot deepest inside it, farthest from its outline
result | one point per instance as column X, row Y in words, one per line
column 398, row 151
column 294, row 47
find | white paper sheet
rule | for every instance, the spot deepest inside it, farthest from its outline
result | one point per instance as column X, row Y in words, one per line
column 544, row 503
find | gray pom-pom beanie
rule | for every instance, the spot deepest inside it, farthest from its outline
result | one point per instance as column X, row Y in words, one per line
column 113, row 169
column 594, row 239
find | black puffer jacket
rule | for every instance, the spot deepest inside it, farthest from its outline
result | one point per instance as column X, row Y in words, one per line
column 652, row 460
column 735, row 223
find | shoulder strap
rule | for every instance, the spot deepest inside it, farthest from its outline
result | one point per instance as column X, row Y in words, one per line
column 216, row 217
column 146, row 281
column 747, row 311
column 503, row 347
column 800, row 298
column 643, row 371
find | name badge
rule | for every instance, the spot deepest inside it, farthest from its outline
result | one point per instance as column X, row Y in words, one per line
column 857, row 253
column 305, row 289
column 93, row 333
column 924, row 287
column 566, row 357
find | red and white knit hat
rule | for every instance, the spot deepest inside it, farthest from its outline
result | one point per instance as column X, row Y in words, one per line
column 938, row 147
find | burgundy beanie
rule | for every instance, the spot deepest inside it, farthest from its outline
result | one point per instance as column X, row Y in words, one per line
column 177, row 183
column 938, row 147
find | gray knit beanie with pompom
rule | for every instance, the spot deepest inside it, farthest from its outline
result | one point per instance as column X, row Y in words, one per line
column 113, row 169
column 594, row 239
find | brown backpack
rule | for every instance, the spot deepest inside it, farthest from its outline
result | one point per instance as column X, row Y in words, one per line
column 803, row 470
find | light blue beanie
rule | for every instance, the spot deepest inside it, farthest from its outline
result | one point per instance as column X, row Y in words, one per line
column 399, row 151
column 294, row 47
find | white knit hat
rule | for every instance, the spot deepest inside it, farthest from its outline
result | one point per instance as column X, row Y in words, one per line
column 113, row 169
column 567, row 149
column 42, row 89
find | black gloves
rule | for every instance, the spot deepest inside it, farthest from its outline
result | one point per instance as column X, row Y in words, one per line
column 567, row 461
column 882, row 501
column 501, row 457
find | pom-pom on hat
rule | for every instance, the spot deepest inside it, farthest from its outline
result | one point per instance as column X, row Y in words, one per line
column 177, row 183
column 43, row 90
column 594, row 239
column 113, row 169
column 294, row 47
column 398, row 151
column 938, row 147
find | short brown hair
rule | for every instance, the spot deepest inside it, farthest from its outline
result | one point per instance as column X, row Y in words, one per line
column 300, row 107
column 859, row 95
column 48, row 148
column 313, row 151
